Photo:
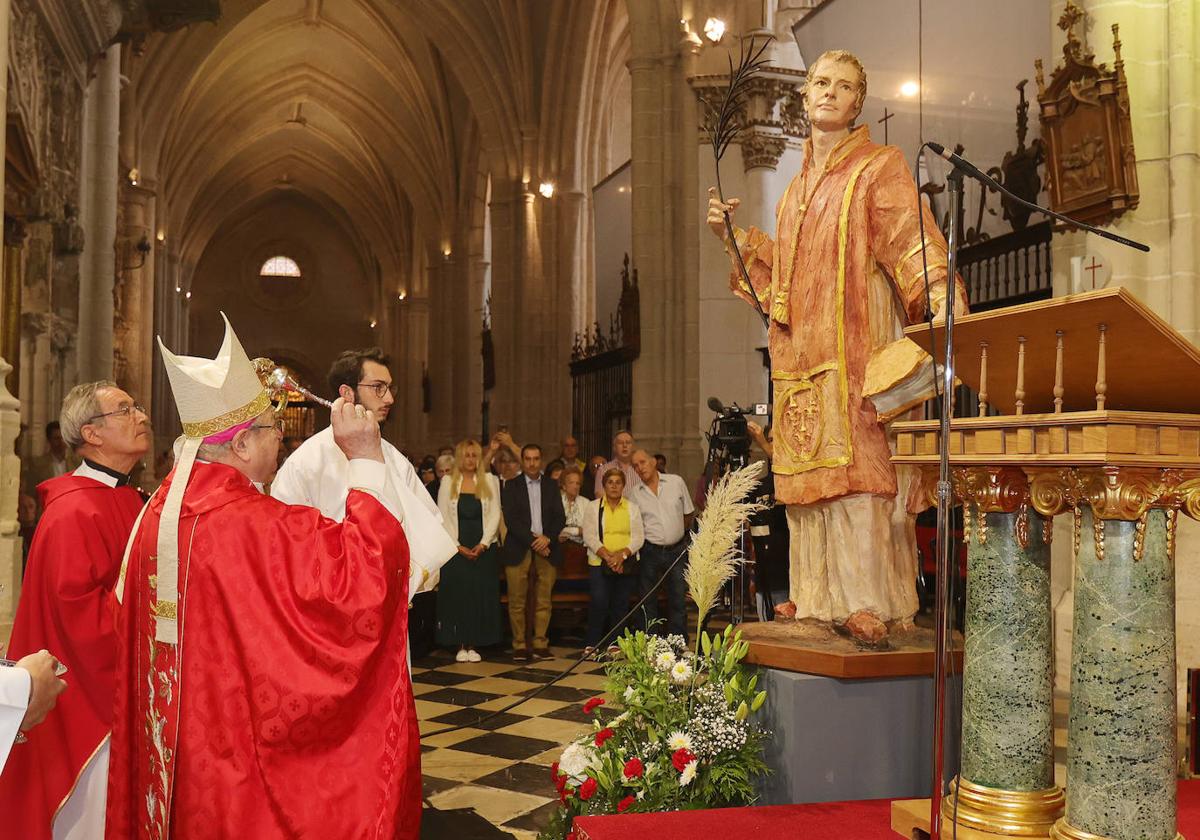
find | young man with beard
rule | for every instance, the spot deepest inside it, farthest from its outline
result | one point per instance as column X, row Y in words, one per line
column 317, row 473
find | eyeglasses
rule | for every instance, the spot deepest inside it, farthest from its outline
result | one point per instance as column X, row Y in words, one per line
column 123, row 411
column 277, row 426
column 380, row 388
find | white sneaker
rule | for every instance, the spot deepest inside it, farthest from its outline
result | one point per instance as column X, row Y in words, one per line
column 462, row 656
column 472, row 656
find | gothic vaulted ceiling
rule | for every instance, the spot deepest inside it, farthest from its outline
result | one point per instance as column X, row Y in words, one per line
column 382, row 111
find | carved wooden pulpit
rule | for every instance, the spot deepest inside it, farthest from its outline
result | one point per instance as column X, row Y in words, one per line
column 1099, row 403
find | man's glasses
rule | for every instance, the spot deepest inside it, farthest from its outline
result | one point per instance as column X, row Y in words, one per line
column 123, row 411
column 277, row 426
column 380, row 388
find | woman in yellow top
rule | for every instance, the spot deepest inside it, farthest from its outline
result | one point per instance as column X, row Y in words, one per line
column 612, row 531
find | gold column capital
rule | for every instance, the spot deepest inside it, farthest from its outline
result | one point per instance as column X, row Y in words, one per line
column 1125, row 493
column 992, row 489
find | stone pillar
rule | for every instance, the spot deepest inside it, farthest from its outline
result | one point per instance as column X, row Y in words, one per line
column 1121, row 743
column 1122, row 737
column 10, row 420
column 98, row 215
column 10, row 300
column 133, row 296
column 666, row 376
column 1006, row 782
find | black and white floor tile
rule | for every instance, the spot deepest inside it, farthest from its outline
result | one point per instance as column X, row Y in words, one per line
column 499, row 767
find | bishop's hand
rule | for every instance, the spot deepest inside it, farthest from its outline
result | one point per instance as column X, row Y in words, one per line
column 356, row 431
column 716, row 213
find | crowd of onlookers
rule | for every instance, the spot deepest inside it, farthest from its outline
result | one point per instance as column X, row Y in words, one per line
column 518, row 515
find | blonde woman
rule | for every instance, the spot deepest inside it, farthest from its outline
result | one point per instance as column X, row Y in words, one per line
column 468, row 603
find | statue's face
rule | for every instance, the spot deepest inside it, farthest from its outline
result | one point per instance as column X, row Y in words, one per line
column 832, row 97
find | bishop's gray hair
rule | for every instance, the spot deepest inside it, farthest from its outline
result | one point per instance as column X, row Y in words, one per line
column 81, row 406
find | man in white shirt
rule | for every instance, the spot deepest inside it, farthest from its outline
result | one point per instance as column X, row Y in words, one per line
column 667, row 509
column 28, row 691
column 317, row 474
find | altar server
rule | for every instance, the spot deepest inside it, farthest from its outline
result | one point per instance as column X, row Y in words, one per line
column 317, row 473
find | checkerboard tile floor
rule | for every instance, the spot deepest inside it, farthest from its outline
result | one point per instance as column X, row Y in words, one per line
column 499, row 767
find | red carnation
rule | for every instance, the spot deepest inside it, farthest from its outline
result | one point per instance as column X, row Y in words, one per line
column 591, row 705
column 634, row 768
column 560, row 783
column 587, row 790
column 570, row 836
column 681, row 758
column 625, row 804
column 603, row 735
column 554, row 770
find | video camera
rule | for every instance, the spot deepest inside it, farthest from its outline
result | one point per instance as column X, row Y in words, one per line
column 728, row 439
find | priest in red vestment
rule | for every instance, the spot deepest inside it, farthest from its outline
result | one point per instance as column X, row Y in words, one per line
column 55, row 782
column 263, row 688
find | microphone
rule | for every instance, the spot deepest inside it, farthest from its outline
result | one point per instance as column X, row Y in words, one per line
column 962, row 164
column 716, row 405
column 966, row 167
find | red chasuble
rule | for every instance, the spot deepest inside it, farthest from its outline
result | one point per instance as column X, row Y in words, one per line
column 286, row 709
column 65, row 608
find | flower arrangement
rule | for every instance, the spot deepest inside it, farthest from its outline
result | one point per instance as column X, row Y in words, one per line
column 679, row 732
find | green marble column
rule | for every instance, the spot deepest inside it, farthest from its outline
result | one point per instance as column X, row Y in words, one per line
column 1008, row 702
column 1121, row 755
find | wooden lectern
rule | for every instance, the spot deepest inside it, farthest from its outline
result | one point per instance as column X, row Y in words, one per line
column 1099, row 403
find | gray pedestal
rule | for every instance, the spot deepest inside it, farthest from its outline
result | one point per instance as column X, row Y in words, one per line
column 837, row 740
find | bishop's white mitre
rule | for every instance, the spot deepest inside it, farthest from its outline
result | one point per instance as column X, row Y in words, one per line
column 214, row 395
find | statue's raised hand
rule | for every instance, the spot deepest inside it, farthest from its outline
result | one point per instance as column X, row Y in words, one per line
column 716, row 213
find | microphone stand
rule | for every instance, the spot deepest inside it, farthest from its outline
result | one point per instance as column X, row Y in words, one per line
column 945, row 489
column 945, row 511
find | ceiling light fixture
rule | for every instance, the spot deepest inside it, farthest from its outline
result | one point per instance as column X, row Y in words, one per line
column 188, row 296
column 402, row 296
column 910, row 89
column 546, row 188
column 714, row 30
column 372, row 323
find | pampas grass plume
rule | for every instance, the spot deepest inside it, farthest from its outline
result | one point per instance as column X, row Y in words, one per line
column 714, row 555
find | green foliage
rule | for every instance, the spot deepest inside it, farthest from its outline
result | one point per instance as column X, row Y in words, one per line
column 666, row 702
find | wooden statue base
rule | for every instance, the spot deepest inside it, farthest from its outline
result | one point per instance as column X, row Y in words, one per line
column 809, row 647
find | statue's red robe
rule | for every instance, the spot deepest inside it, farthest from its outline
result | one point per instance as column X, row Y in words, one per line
column 64, row 608
column 285, row 710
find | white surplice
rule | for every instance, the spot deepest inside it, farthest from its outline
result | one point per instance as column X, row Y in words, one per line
column 318, row 475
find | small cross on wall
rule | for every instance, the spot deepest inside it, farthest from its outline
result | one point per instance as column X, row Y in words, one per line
column 884, row 121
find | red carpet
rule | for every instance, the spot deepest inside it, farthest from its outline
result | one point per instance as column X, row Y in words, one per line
column 825, row 821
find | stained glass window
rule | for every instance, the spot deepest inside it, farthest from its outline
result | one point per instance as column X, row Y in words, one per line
column 280, row 266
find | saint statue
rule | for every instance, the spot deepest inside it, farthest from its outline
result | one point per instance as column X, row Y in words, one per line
column 842, row 277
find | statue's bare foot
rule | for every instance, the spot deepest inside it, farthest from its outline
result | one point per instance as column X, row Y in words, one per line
column 866, row 627
column 901, row 625
column 786, row 611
